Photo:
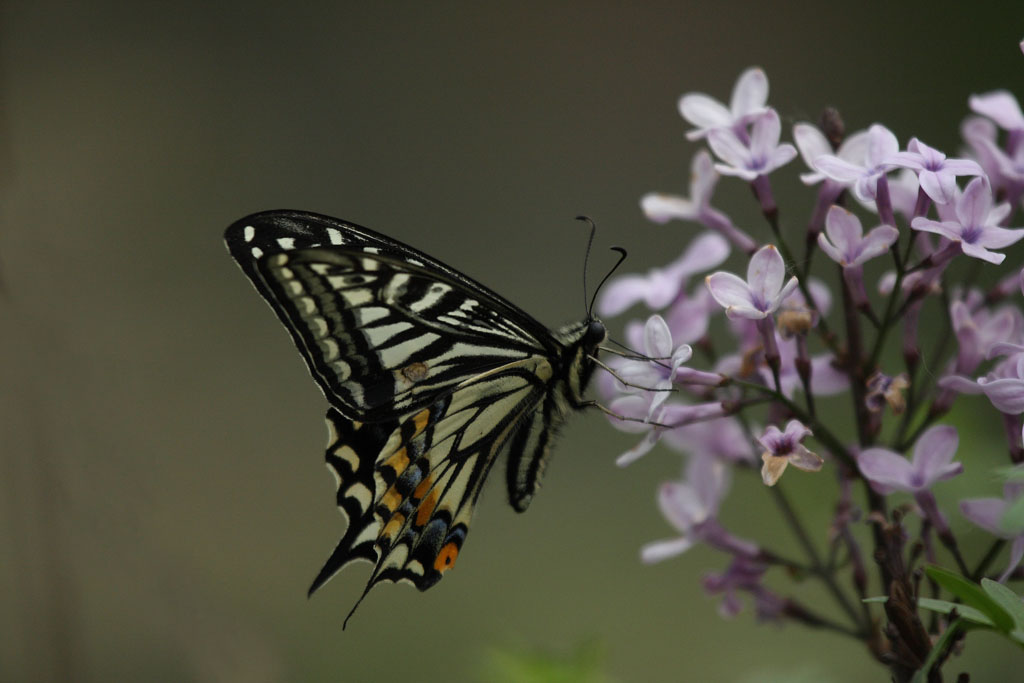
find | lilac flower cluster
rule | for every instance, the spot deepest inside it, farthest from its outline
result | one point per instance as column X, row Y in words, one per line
column 744, row 393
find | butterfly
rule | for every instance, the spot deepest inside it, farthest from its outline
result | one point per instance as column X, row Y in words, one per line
column 430, row 377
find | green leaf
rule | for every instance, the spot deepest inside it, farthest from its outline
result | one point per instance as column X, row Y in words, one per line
column 1012, row 521
column 1009, row 473
column 584, row 664
column 972, row 596
column 1007, row 599
column 921, row 676
column 878, row 598
column 946, row 607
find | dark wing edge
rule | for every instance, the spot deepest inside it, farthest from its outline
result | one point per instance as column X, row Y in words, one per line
column 529, row 451
column 408, row 489
column 286, row 229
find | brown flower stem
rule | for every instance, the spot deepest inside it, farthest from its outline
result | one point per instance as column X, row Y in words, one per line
column 986, row 561
column 854, row 366
column 800, row 613
column 817, row 568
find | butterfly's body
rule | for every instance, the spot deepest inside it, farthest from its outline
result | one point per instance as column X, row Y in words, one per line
column 429, row 375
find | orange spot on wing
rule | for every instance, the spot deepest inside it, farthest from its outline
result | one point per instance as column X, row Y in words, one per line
column 391, row 500
column 446, row 558
column 420, row 419
column 393, row 526
column 426, row 509
column 398, row 461
column 423, row 487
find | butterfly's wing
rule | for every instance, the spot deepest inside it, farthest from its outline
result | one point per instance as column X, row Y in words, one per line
column 429, row 375
column 383, row 328
column 409, row 489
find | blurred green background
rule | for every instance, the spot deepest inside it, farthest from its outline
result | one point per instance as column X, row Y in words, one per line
column 164, row 501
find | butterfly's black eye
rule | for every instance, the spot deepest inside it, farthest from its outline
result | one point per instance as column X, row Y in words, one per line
column 596, row 333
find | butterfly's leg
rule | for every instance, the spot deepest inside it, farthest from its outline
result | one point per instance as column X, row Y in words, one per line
column 626, row 382
column 617, row 416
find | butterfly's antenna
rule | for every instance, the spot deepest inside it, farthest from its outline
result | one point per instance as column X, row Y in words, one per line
column 622, row 257
column 586, row 257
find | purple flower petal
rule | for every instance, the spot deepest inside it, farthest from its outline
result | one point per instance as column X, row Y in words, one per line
column 940, row 187
column 834, row 253
column 1004, row 349
column 662, row 550
column 765, row 273
column 975, row 204
column 657, row 338
column 986, row 513
column 843, row 228
column 662, row 208
column 660, row 286
column 947, row 229
column 732, row 293
column 676, row 413
column 1016, row 555
column 838, row 169
column 786, row 291
column 826, row 379
column 621, row 293
column 812, row 144
column 979, row 252
column 689, row 317
column 934, row 450
column 877, row 242
column 728, row 148
column 633, row 406
column 702, row 178
column 803, row 459
column 710, row 479
column 681, row 505
column 882, row 144
column 705, row 252
column 960, row 167
column 682, row 354
column 641, row 449
column 962, row 385
column 997, row 238
column 796, row 431
column 1001, row 107
column 750, row 93
column 765, row 133
column 887, row 470
column 773, row 439
column 780, row 156
column 704, row 112
column 1007, row 395
column 910, row 160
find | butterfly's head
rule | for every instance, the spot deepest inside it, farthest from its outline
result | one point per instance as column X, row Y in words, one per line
column 594, row 335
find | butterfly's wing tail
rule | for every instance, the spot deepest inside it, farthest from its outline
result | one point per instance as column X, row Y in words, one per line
column 409, row 494
column 351, row 451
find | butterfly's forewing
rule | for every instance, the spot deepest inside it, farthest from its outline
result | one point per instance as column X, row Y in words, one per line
column 429, row 375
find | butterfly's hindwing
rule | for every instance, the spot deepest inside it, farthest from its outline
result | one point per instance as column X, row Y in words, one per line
column 408, row 490
column 430, row 376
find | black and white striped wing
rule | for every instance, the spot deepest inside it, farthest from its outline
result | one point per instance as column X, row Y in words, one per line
column 409, row 502
column 429, row 376
column 382, row 327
